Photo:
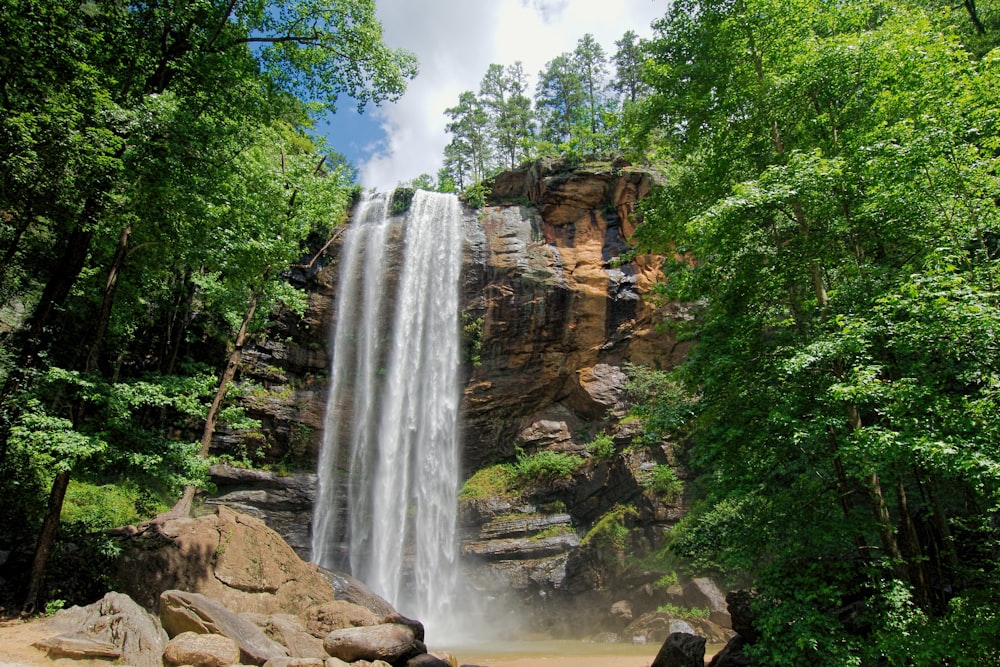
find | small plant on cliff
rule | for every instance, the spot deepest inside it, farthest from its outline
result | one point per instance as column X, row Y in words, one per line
column 663, row 481
column 602, row 447
column 496, row 480
column 472, row 338
column 658, row 402
column 401, row 200
column 610, row 530
column 545, row 466
column 684, row 612
column 475, row 195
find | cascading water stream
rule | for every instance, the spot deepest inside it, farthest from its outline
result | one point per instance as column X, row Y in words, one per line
column 392, row 409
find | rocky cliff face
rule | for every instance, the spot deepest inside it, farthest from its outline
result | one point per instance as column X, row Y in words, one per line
column 553, row 309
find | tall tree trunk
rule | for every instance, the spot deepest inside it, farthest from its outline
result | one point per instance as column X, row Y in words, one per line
column 914, row 554
column 46, row 540
column 15, row 242
column 183, row 506
column 883, row 518
column 108, row 297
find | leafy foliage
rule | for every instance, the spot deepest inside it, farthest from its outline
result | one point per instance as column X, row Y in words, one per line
column 159, row 179
column 611, row 532
column 544, row 466
column 602, row 447
column 490, row 482
column 663, row 481
column 829, row 201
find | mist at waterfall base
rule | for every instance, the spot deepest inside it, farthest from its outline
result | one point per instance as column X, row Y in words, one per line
column 388, row 469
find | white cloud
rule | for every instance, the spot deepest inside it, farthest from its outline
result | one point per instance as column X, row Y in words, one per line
column 456, row 41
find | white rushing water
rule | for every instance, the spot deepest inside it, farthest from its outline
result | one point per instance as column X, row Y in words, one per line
column 392, row 410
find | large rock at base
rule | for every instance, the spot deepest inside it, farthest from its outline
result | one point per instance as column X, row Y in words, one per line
column 391, row 642
column 201, row 650
column 77, row 647
column 191, row 612
column 113, row 623
column 681, row 650
column 229, row 557
column 740, row 606
column 323, row 619
column 656, row 626
column 732, row 654
column 427, row 660
column 295, row 662
column 704, row 593
column 348, row 588
column 292, row 633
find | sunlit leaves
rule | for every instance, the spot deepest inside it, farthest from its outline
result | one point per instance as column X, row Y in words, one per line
column 833, row 207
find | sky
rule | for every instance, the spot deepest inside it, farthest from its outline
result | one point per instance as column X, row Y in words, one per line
column 455, row 42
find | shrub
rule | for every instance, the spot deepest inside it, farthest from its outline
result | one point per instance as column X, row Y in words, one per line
column 602, row 447
column 496, row 480
column 610, row 530
column 98, row 508
column 684, row 612
column 545, row 466
column 475, row 195
column 662, row 481
column 401, row 200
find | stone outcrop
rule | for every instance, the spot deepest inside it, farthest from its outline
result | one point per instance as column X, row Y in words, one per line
column 391, row 642
column 201, row 650
column 114, row 626
column 279, row 500
column 229, row 557
column 681, row 649
column 182, row 612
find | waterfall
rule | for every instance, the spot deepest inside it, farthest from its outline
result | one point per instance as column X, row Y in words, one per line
column 388, row 468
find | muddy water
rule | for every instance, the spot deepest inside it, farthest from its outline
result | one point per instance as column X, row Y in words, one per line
column 557, row 653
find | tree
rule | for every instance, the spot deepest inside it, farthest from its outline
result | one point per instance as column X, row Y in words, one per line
column 591, row 63
column 121, row 122
column 628, row 61
column 466, row 154
column 501, row 93
column 830, row 204
column 559, row 97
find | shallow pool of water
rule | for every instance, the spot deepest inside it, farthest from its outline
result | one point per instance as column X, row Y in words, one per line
column 555, row 653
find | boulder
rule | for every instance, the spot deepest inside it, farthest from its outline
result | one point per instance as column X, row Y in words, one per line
column 732, row 654
column 348, row 588
column 742, row 615
column 229, row 557
column 113, row 626
column 182, row 612
column 292, row 633
column 427, row 660
column 681, row 649
column 280, row 500
column 392, row 642
column 77, row 647
column 656, row 626
column 416, row 626
column 201, row 650
column 704, row 593
column 295, row 662
column 447, row 656
column 323, row 619
column 622, row 610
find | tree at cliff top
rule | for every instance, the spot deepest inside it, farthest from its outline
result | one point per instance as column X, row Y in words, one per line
column 831, row 198
column 131, row 132
column 575, row 112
